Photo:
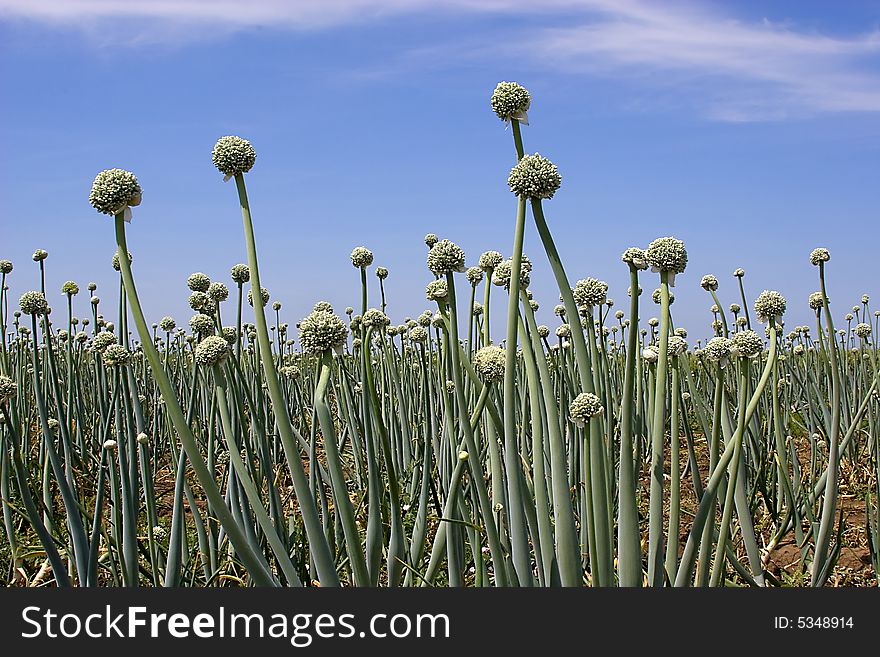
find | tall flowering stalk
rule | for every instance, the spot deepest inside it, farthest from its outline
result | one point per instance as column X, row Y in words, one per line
column 113, row 192
column 668, row 257
column 535, row 178
column 820, row 569
column 233, row 157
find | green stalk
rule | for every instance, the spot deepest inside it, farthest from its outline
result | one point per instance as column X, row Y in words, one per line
column 707, row 501
column 673, row 539
column 522, row 561
column 477, row 478
column 282, row 555
column 658, row 426
column 255, row 564
column 320, row 550
column 733, row 472
column 601, row 554
column 820, row 570
column 567, row 547
column 628, row 539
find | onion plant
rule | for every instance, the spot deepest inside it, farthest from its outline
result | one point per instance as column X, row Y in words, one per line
column 443, row 450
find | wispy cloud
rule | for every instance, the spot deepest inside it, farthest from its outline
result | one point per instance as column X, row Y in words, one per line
column 746, row 71
column 733, row 70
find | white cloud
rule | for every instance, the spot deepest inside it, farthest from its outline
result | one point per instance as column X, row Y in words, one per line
column 735, row 70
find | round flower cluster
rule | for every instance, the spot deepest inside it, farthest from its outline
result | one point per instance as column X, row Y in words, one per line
column 735, row 308
column 436, row 290
column 489, row 363
column 7, row 389
column 264, row 295
column 585, row 407
column 114, row 261
column 167, row 324
column 502, row 274
column 40, row 255
column 198, row 282
column 709, row 283
column 233, row 155
column 474, row 275
column 635, row 257
column 240, row 273
column 374, row 318
column 289, row 371
column 70, row 288
column 590, row 292
column 218, row 292
column 739, row 272
column 478, row 308
column 490, row 259
column 212, row 351
column 201, row 324
column 543, row 331
column 718, row 349
column 667, row 254
column 819, row 255
column 381, row 273
column 863, row 330
column 651, row 354
column 747, row 344
column 563, row 331
column 33, row 303
column 445, row 257
column 816, row 301
column 418, row 334
column 361, row 257
column 677, row 345
column 321, row 331
column 116, row 355
column 113, row 190
column 5, row 266
column 769, row 304
column 510, row 101
column 229, row 334
column 798, row 350
column 103, row 340
column 534, row 177
column 198, row 301
column 657, row 297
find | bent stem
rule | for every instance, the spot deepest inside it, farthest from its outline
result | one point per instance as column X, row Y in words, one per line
column 318, row 545
column 255, row 563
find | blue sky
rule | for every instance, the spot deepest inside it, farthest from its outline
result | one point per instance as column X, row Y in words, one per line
column 747, row 129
